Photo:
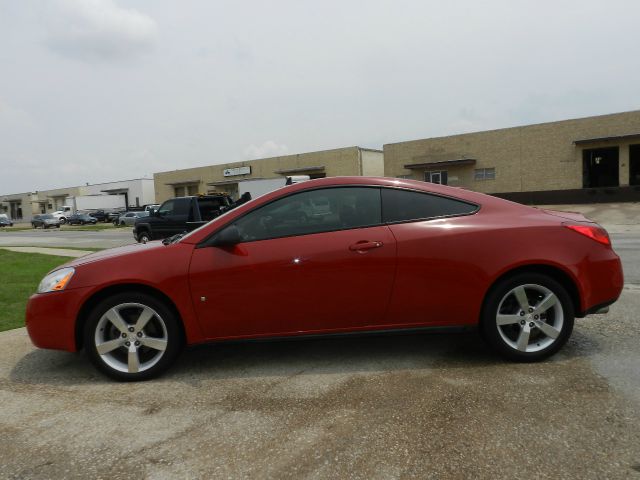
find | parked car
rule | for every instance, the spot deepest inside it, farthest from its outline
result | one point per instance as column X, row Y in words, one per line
column 81, row 219
column 386, row 254
column 45, row 220
column 61, row 215
column 178, row 215
column 5, row 221
column 129, row 218
column 114, row 215
column 99, row 215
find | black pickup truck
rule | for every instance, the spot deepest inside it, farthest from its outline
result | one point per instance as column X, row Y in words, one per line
column 178, row 215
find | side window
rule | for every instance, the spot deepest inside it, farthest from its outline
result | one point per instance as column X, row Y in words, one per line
column 313, row 211
column 181, row 207
column 405, row 205
column 210, row 207
column 166, row 208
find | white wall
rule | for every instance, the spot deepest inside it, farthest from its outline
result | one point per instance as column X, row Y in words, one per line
column 141, row 188
column 372, row 163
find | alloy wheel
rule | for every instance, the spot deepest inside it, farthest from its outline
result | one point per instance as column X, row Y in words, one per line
column 131, row 337
column 530, row 318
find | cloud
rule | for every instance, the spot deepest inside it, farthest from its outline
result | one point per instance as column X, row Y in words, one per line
column 99, row 30
column 12, row 117
column 266, row 150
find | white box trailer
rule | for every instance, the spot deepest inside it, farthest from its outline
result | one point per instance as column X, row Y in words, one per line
column 93, row 202
column 262, row 186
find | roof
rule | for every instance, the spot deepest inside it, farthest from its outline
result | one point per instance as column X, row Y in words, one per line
column 441, row 163
column 183, row 182
column 301, row 169
column 606, row 139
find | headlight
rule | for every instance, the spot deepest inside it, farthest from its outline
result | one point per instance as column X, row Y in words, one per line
column 56, row 281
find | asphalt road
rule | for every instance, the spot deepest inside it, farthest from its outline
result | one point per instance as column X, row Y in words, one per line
column 59, row 238
column 407, row 406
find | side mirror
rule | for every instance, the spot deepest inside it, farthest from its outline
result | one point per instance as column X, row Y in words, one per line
column 226, row 238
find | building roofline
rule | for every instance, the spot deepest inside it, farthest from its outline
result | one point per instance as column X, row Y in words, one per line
column 241, row 163
column 516, row 127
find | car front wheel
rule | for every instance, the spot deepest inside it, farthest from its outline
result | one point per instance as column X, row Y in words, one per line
column 132, row 336
column 144, row 237
column 527, row 317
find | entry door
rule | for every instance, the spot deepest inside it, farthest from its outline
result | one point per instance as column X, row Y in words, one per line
column 300, row 283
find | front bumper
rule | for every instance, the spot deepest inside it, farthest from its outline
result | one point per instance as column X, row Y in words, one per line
column 51, row 318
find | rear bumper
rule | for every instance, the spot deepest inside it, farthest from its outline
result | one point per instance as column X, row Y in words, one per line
column 51, row 318
column 601, row 283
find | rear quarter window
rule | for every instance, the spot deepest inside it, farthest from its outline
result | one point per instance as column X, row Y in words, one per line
column 408, row 205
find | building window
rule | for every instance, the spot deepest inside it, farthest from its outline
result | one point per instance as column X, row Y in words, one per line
column 178, row 191
column 439, row 176
column 485, row 174
column 192, row 190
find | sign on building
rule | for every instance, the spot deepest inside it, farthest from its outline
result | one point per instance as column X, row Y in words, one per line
column 232, row 172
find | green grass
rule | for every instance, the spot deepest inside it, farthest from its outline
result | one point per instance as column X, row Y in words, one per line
column 21, row 274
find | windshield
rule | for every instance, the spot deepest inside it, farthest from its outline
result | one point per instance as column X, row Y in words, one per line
column 48, row 215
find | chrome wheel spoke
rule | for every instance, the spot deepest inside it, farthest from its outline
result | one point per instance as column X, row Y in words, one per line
column 521, row 296
column 109, row 345
column 133, row 361
column 155, row 343
column 114, row 317
column 507, row 319
column 144, row 318
column 546, row 303
column 523, row 338
column 548, row 330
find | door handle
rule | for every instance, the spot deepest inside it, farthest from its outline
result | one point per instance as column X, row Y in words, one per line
column 364, row 245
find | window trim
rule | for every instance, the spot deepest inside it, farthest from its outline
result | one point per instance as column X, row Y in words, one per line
column 204, row 242
column 425, row 219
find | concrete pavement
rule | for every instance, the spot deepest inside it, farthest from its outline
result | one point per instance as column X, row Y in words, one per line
column 414, row 406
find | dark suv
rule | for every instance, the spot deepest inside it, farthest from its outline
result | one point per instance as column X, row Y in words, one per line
column 179, row 215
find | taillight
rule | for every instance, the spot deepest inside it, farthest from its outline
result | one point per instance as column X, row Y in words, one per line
column 594, row 232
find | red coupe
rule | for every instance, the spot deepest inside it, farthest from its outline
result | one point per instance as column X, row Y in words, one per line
column 335, row 255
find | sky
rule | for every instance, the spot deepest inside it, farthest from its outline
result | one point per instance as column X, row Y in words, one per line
column 105, row 90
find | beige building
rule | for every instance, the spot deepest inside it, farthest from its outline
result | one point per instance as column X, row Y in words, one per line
column 585, row 159
column 225, row 177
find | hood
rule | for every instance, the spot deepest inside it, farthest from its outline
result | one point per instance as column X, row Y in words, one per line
column 575, row 216
column 133, row 249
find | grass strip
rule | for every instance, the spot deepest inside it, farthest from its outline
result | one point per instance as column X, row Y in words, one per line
column 21, row 274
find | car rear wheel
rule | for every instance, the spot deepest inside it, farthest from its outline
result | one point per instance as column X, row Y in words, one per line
column 527, row 317
column 132, row 336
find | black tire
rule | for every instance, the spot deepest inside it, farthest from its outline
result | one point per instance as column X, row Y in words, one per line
column 58, row 226
column 557, row 320
column 98, row 329
column 144, row 237
column 63, row 220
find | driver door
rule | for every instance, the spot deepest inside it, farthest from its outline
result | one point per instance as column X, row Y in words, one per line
column 312, row 262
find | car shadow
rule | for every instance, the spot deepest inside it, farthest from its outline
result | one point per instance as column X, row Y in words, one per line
column 285, row 358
